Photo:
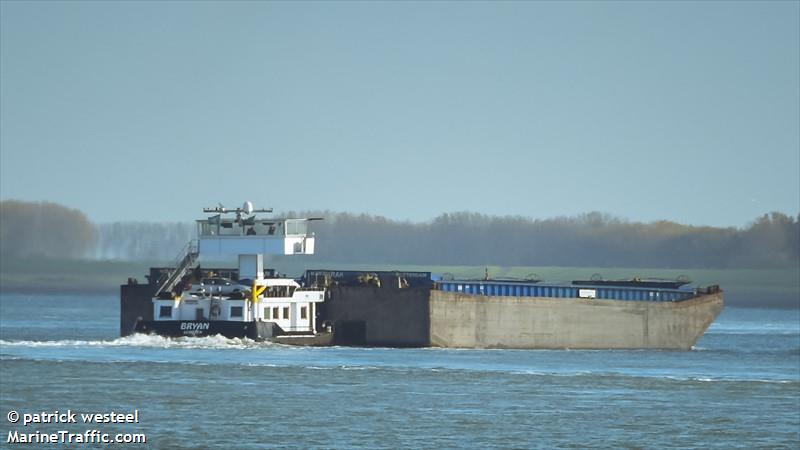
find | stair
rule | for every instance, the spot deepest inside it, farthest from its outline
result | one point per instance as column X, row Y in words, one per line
column 183, row 263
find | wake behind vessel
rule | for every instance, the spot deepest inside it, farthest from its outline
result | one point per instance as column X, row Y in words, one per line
column 398, row 309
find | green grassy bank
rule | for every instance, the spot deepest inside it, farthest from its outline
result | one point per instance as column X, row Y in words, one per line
column 744, row 287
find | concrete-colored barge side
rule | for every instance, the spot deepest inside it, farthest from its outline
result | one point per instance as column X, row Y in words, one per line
column 472, row 321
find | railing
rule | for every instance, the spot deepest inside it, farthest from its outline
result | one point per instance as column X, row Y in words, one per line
column 295, row 329
column 501, row 289
column 185, row 260
column 261, row 227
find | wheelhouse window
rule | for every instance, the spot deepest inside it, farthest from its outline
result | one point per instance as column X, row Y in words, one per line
column 236, row 311
column 296, row 227
column 275, row 313
column 286, row 312
column 165, row 311
column 303, row 312
column 266, row 313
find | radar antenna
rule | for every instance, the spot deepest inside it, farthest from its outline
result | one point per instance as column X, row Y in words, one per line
column 247, row 208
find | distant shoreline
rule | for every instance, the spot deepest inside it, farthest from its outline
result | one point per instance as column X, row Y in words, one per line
column 53, row 290
column 752, row 299
column 768, row 288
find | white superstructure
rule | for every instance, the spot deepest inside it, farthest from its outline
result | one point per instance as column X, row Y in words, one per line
column 281, row 300
column 256, row 299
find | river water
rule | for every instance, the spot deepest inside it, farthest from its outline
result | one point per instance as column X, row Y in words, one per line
column 739, row 387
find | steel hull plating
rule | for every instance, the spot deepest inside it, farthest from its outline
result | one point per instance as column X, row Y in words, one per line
column 197, row 328
column 470, row 321
column 257, row 331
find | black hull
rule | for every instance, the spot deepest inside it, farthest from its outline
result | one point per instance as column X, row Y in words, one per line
column 257, row 331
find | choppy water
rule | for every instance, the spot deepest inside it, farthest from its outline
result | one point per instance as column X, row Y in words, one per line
column 740, row 387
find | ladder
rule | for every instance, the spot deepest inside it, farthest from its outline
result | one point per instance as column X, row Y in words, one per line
column 182, row 264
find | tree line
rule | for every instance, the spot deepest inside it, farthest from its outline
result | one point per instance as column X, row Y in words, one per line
column 462, row 238
column 44, row 229
column 142, row 241
column 589, row 240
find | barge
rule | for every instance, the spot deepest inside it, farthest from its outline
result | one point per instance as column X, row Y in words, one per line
column 627, row 314
column 394, row 308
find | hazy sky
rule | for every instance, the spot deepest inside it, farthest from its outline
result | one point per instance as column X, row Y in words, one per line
column 150, row 110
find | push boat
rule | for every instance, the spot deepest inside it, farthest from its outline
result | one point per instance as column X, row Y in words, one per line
column 259, row 305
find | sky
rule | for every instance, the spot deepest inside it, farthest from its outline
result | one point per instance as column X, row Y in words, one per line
column 684, row 111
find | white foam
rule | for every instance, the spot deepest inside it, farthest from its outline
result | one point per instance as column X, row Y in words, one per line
column 145, row 340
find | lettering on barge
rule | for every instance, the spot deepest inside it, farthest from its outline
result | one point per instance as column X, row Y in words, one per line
column 194, row 328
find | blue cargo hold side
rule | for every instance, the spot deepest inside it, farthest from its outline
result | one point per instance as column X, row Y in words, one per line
column 532, row 289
